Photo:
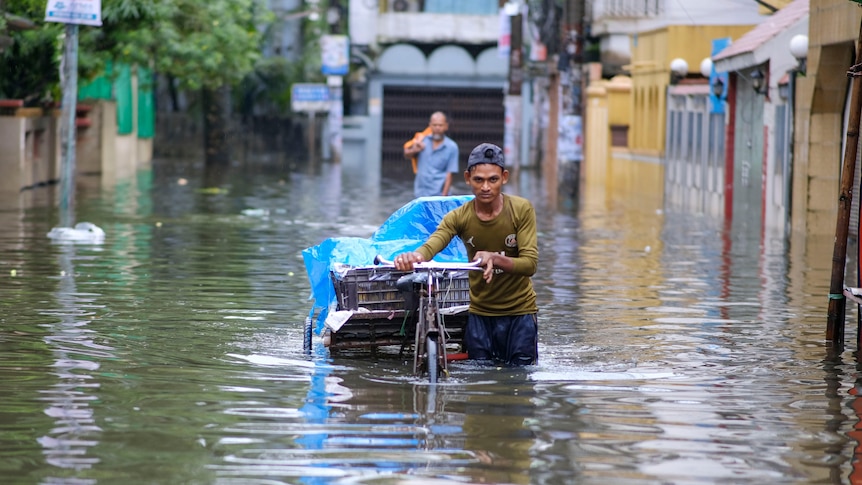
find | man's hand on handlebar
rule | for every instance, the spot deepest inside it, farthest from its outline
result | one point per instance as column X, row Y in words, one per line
column 405, row 261
column 486, row 260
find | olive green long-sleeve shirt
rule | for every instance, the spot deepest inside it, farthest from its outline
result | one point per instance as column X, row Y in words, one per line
column 513, row 233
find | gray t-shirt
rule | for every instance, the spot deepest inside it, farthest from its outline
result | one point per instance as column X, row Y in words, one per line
column 433, row 165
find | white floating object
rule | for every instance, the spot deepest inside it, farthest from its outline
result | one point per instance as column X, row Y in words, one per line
column 255, row 212
column 84, row 232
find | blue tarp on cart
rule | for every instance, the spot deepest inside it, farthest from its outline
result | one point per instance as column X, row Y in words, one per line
column 405, row 230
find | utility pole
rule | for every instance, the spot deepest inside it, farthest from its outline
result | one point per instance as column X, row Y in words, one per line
column 512, row 99
column 335, row 64
column 550, row 165
column 68, row 131
column 86, row 12
column 571, row 151
column 550, row 32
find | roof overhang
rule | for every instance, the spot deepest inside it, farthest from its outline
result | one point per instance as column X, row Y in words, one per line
column 767, row 41
column 777, row 46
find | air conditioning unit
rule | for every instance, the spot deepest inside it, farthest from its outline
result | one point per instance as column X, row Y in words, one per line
column 405, row 5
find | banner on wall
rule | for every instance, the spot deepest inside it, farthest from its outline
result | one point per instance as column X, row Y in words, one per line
column 716, row 103
column 570, row 144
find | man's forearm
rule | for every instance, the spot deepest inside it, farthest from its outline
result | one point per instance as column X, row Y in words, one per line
column 447, row 184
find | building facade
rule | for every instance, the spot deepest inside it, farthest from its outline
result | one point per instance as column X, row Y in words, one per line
column 411, row 58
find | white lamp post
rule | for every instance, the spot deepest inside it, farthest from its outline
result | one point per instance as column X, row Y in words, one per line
column 799, row 49
column 678, row 70
column 706, row 67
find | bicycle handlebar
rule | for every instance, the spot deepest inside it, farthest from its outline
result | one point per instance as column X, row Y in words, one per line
column 379, row 260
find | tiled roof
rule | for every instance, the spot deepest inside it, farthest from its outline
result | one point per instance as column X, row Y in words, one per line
column 769, row 28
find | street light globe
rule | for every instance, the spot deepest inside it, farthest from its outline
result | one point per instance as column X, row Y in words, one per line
column 799, row 46
column 679, row 67
column 706, row 67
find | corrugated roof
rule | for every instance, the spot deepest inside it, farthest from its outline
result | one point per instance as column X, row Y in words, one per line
column 769, row 28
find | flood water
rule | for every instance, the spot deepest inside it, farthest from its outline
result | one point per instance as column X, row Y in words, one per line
column 671, row 351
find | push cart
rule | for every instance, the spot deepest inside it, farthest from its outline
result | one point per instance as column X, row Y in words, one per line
column 371, row 311
column 357, row 304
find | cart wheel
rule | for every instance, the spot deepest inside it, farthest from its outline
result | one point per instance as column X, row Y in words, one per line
column 306, row 335
column 431, row 358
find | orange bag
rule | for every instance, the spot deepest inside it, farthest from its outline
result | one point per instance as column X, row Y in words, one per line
column 419, row 134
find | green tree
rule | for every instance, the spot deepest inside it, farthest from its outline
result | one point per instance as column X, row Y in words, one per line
column 29, row 68
column 201, row 43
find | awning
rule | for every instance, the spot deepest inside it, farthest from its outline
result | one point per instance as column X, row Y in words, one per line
column 754, row 48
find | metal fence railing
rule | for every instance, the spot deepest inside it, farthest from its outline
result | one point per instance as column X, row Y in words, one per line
column 627, row 8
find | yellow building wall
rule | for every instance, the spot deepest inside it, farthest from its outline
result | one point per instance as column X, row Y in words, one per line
column 821, row 96
column 597, row 129
column 619, row 91
column 608, row 105
column 819, row 134
column 652, row 53
column 779, row 4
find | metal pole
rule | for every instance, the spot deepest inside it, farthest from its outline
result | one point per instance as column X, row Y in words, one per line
column 512, row 97
column 67, row 126
column 835, row 316
column 312, row 136
column 550, row 166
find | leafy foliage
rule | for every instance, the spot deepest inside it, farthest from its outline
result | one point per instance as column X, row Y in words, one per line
column 30, row 67
column 201, row 43
column 269, row 84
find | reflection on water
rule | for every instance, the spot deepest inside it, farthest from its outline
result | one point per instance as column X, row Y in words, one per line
column 671, row 350
column 76, row 357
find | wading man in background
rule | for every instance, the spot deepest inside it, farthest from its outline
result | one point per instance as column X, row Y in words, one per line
column 435, row 158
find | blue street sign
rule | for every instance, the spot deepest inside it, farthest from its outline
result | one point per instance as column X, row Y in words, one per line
column 309, row 97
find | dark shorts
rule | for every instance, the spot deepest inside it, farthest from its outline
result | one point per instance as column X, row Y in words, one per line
column 512, row 339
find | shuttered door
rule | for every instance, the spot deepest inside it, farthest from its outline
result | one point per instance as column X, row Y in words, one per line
column 853, row 229
column 476, row 115
column 854, row 202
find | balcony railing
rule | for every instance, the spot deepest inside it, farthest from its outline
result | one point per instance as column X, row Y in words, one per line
column 437, row 28
column 626, row 9
column 457, row 7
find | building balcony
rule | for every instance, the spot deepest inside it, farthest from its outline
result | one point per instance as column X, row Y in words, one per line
column 627, row 9
column 436, row 28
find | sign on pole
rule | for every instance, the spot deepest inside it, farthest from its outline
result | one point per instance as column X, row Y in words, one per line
column 72, row 13
column 335, row 52
column 309, row 97
column 336, row 114
column 83, row 12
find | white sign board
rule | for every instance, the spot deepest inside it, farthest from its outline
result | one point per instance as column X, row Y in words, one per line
column 309, row 97
column 84, row 12
column 335, row 51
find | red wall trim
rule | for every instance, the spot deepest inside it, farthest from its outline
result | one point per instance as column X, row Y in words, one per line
column 729, row 145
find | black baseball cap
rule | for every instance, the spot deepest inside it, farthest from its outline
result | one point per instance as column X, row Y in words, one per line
column 486, row 153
